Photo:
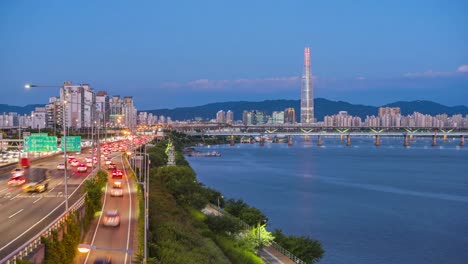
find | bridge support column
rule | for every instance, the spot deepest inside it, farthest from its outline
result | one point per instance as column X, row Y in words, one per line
column 445, row 138
column 377, row 140
column 341, row 137
column 306, row 138
column 405, row 141
column 262, row 141
column 462, row 141
column 290, row 141
column 348, row 140
column 231, row 141
column 434, row 140
column 319, row 140
column 411, row 138
column 252, row 140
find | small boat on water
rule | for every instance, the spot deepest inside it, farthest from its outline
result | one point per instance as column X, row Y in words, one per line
column 204, row 154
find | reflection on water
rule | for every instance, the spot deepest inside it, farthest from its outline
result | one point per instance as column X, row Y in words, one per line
column 367, row 204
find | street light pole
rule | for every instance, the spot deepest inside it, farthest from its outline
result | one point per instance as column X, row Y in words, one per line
column 64, row 139
column 64, row 143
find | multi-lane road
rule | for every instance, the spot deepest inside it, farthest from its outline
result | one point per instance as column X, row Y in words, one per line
column 22, row 215
column 120, row 241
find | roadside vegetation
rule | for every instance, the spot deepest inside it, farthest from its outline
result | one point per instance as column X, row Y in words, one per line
column 63, row 249
column 180, row 233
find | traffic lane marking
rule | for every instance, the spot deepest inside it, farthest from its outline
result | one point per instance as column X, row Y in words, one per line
column 15, row 213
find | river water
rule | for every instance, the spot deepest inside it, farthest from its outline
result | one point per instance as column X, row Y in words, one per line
column 366, row 204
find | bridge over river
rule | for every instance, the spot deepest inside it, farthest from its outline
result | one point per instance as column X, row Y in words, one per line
column 265, row 133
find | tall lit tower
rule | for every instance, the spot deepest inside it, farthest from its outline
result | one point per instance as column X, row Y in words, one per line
column 307, row 91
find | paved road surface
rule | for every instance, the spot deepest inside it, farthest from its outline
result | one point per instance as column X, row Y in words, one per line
column 22, row 215
column 119, row 238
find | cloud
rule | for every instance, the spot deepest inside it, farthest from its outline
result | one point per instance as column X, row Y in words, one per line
column 463, row 68
column 277, row 83
column 360, row 78
column 429, row 73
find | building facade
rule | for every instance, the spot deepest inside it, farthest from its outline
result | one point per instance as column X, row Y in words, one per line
column 307, row 93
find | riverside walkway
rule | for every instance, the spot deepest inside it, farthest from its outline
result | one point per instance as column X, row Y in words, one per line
column 269, row 254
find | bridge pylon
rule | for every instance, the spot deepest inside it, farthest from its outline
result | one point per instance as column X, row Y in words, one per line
column 348, row 140
column 462, row 141
column 434, row 140
column 290, row 141
column 377, row 141
column 405, row 141
column 319, row 140
column 231, row 141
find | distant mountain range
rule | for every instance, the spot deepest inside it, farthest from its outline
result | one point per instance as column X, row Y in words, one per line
column 4, row 108
column 323, row 107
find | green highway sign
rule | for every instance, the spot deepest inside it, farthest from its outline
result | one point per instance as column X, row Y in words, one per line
column 39, row 135
column 40, row 143
column 73, row 143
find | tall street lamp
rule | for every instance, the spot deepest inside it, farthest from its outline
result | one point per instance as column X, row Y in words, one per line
column 64, row 143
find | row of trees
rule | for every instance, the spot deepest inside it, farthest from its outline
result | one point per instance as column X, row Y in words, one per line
column 176, row 198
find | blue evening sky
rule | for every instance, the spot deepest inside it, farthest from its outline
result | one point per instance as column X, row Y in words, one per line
column 185, row 53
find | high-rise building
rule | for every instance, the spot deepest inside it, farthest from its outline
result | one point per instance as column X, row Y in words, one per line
column 80, row 108
column 130, row 112
column 307, row 93
column 278, row 117
column 289, row 116
column 103, row 107
column 389, row 111
column 38, row 116
column 229, row 117
column 221, row 117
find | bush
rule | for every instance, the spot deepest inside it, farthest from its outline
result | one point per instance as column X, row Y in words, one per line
column 223, row 224
column 251, row 215
column 305, row 248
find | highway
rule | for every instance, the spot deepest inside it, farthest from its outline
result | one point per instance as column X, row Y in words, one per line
column 120, row 239
column 22, row 215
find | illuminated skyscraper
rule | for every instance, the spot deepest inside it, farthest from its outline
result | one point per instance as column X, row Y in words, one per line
column 307, row 91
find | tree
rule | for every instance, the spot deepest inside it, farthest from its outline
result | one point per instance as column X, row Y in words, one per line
column 305, row 248
column 256, row 237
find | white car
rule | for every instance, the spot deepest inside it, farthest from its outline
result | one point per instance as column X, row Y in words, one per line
column 82, row 168
column 108, row 162
column 17, row 172
column 111, row 218
column 61, row 166
column 117, row 189
column 89, row 164
column 75, row 163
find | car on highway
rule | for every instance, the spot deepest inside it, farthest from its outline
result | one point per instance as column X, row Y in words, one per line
column 75, row 163
column 111, row 166
column 117, row 190
column 38, row 185
column 89, row 164
column 88, row 159
column 18, row 172
column 61, row 166
column 111, row 218
column 117, row 174
column 17, row 181
column 103, row 260
column 82, row 168
column 108, row 162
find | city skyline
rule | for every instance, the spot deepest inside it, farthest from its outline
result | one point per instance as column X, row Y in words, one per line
column 371, row 53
